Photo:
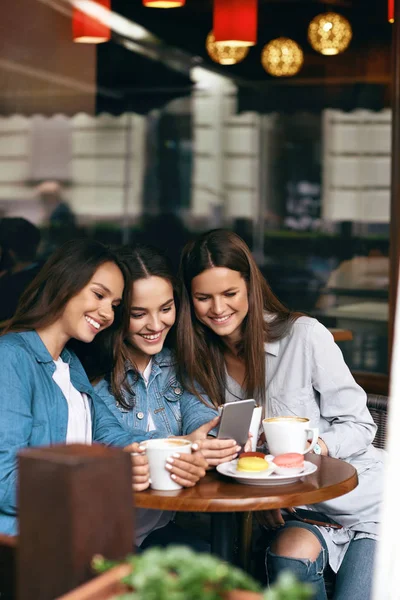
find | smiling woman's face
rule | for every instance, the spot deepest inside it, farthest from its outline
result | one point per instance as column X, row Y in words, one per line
column 92, row 309
column 152, row 316
column 220, row 301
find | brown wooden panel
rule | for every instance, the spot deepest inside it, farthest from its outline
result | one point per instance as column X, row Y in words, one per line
column 74, row 502
column 372, row 383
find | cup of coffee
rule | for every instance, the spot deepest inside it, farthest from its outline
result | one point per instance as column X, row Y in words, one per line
column 289, row 434
column 157, row 452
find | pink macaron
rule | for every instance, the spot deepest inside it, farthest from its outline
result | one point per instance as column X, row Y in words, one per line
column 291, row 463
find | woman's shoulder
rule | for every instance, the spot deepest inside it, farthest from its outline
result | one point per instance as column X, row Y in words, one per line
column 165, row 358
column 13, row 342
column 101, row 386
column 310, row 329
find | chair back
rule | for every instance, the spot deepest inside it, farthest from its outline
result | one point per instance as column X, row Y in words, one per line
column 378, row 407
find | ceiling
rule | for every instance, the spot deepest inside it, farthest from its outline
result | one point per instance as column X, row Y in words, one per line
column 187, row 28
column 42, row 70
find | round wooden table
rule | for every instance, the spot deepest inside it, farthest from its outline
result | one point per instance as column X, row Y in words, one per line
column 223, row 496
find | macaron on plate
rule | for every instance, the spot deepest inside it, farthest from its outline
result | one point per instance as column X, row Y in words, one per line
column 249, row 469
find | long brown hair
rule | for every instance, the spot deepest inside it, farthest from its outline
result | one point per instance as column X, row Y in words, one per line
column 64, row 275
column 200, row 351
column 141, row 262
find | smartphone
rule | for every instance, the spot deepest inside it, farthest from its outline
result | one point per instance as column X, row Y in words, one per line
column 235, row 421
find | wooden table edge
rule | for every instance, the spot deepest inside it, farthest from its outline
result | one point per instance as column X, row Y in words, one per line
column 249, row 504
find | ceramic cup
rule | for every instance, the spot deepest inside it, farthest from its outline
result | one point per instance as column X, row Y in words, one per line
column 157, row 452
column 289, row 434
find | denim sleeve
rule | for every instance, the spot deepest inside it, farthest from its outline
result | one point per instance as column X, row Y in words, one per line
column 16, row 394
column 195, row 413
column 106, row 427
column 343, row 403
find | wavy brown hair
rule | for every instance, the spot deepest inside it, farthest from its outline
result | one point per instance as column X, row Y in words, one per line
column 200, row 351
column 112, row 347
column 63, row 276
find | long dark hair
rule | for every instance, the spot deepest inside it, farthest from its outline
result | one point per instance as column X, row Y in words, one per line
column 200, row 351
column 63, row 276
column 112, row 347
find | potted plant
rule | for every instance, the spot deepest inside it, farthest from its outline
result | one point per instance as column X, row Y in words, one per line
column 178, row 573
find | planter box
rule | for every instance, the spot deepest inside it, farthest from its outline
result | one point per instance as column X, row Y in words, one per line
column 108, row 585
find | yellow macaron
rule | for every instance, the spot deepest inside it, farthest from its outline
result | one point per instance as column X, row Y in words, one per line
column 252, row 463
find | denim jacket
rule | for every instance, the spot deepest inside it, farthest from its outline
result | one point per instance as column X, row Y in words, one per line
column 174, row 411
column 34, row 411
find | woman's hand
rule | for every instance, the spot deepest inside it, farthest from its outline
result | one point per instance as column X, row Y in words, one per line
column 215, row 451
column 271, row 519
column 140, row 467
column 322, row 445
column 218, row 451
column 187, row 469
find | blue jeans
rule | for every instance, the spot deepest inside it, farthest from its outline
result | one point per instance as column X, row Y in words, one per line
column 353, row 580
column 172, row 534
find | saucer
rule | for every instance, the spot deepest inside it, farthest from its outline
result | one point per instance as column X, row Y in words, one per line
column 268, row 477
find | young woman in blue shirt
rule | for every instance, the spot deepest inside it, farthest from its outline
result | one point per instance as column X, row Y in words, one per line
column 46, row 397
column 143, row 390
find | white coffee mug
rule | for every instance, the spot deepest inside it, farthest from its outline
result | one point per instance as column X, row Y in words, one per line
column 289, row 434
column 157, row 452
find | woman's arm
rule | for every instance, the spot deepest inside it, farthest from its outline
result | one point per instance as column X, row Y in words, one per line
column 106, row 427
column 343, row 403
column 15, row 422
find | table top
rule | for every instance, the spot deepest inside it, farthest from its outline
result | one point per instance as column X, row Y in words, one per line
column 216, row 493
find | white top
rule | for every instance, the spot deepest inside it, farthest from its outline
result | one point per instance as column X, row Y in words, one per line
column 79, row 429
column 306, row 376
column 146, row 376
column 147, row 519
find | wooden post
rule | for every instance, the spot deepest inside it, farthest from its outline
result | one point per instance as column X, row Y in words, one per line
column 395, row 184
column 74, row 501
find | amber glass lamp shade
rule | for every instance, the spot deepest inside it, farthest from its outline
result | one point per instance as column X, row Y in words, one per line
column 282, row 57
column 329, row 33
column 224, row 54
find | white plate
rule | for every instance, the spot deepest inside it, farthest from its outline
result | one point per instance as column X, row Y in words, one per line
column 267, row 477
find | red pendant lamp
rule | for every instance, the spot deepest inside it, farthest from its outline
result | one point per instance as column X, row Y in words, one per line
column 391, row 11
column 164, row 3
column 88, row 30
column 235, row 22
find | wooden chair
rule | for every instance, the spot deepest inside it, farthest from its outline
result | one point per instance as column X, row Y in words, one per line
column 378, row 407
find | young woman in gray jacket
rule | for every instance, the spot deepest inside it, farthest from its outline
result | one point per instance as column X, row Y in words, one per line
column 238, row 341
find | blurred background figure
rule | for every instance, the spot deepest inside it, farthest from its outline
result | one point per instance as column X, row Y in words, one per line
column 57, row 212
column 19, row 242
column 59, row 224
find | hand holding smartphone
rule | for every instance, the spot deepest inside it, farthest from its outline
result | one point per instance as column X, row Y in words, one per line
column 235, row 421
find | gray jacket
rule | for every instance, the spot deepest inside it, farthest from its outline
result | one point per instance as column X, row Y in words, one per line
column 307, row 376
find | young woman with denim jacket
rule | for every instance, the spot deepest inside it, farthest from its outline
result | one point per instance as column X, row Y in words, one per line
column 143, row 390
column 236, row 340
column 46, row 397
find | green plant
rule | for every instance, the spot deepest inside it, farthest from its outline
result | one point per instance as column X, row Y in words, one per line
column 288, row 588
column 178, row 573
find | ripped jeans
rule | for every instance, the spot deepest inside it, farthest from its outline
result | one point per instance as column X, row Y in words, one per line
column 353, row 580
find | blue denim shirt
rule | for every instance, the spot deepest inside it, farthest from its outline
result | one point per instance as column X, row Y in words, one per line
column 174, row 411
column 34, row 411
